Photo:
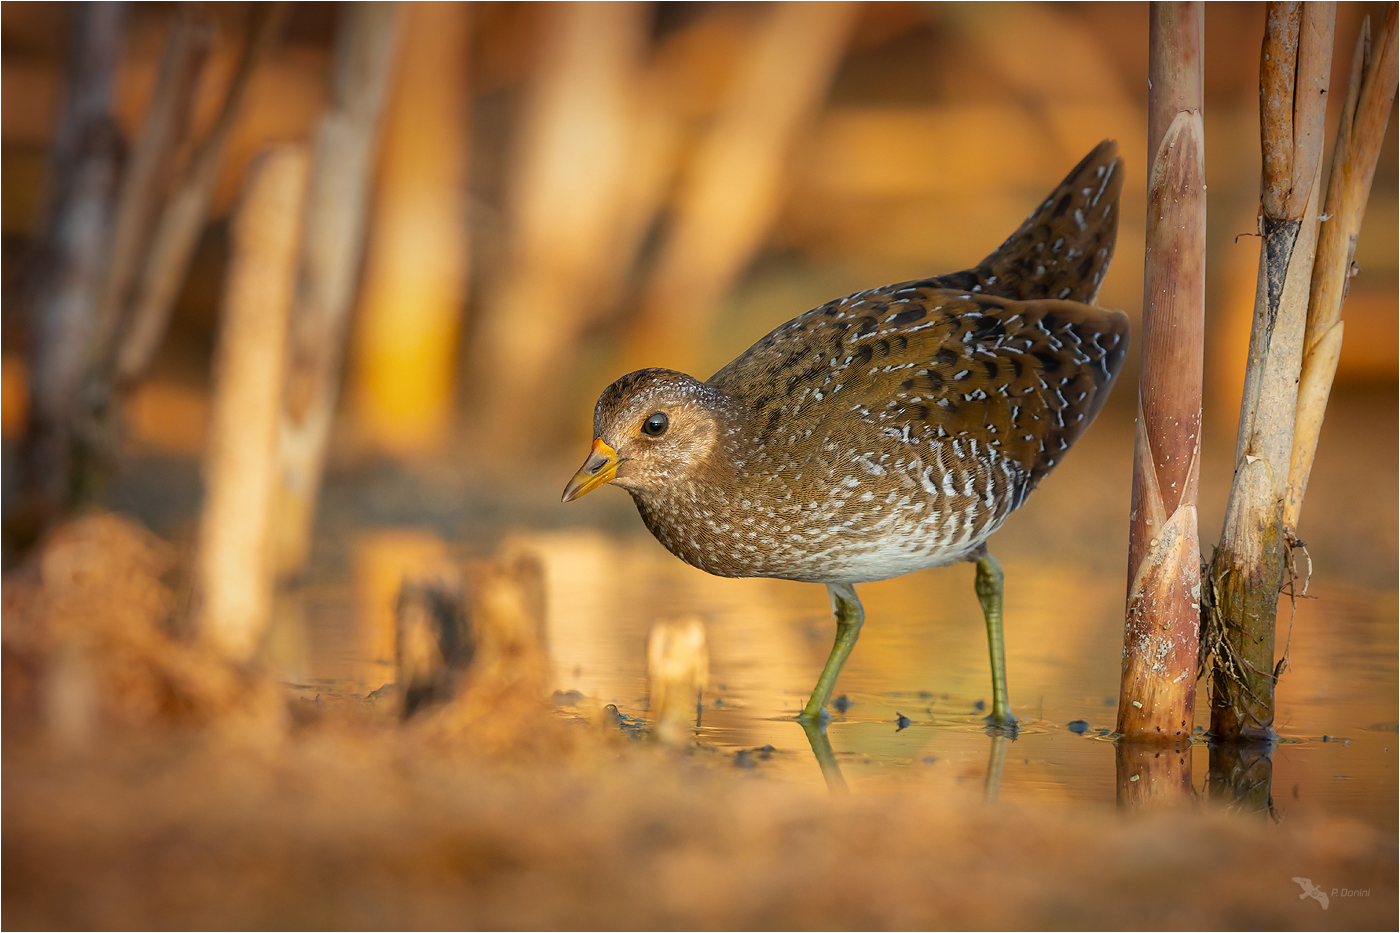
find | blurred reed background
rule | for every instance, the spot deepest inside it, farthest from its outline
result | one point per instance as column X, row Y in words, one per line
column 564, row 192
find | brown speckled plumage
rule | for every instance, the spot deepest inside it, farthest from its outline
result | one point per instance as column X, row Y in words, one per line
column 891, row 430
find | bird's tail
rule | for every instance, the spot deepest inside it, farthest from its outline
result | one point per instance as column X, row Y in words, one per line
column 1063, row 249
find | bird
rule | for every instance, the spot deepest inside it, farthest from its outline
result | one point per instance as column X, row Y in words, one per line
column 884, row 432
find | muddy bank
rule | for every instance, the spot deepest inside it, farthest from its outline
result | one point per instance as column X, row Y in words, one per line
column 340, row 831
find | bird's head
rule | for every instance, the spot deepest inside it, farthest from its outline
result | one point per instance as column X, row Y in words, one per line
column 651, row 428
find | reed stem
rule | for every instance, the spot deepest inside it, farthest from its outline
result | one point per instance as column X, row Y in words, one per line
column 67, row 272
column 1247, row 570
column 1158, row 688
column 182, row 218
column 1370, row 95
column 234, row 559
column 332, row 243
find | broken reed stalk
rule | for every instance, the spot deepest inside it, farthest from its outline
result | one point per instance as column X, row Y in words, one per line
column 735, row 183
column 1158, row 687
column 67, row 276
column 499, row 694
column 332, row 245
column 433, row 642
column 181, row 220
column 1247, row 570
column 234, row 557
column 678, row 667
column 1370, row 94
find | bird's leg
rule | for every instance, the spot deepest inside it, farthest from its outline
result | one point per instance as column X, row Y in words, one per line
column 849, row 616
column 989, row 590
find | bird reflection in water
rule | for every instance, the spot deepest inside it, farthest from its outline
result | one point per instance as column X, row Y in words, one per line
column 836, row 782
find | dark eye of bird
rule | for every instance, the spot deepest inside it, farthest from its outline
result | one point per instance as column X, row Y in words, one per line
column 656, row 425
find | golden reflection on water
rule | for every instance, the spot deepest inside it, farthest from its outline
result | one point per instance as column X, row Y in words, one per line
column 922, row 655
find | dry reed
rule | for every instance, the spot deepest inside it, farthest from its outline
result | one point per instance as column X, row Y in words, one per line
column 1247, row 569
column 1370, row 96
column 342, row 174
column 181, row 220
column 234, row 556
column 67, row 272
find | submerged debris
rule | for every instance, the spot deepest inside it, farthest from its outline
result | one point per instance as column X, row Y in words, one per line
column 434, row 644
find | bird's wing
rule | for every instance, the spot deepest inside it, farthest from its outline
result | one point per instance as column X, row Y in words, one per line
column 915, row 364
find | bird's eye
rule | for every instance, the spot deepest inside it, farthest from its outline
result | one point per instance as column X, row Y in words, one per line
column 656, row 425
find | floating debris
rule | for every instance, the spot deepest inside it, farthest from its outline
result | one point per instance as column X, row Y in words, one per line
column 901, row 722
column 631, row 725
column 1078, row 727
column 841, row 703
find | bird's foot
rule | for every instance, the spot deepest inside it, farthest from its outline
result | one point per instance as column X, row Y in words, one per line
column 1002, row 723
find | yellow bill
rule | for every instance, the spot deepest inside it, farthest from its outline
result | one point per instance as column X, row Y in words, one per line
column 599, row 468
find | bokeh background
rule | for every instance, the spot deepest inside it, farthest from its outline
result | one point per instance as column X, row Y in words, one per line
column 566, row 192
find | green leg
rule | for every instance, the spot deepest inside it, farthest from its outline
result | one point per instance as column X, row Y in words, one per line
column 989, row 590
column 849, row 616
column 826, row 758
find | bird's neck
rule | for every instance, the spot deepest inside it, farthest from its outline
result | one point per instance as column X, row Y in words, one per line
column 694, row 515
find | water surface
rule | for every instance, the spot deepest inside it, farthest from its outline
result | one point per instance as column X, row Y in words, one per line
column 922, row 656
